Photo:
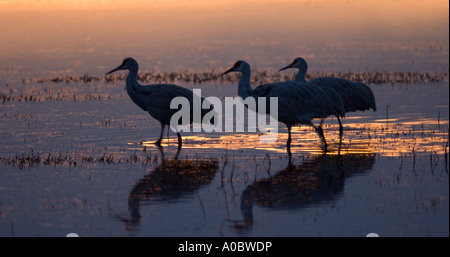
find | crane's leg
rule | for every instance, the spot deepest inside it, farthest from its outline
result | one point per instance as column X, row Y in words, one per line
column 180, row 141
column 288, row 143
column 319, row 131
column 341, row 128
column 341, row 133
column 158, row 143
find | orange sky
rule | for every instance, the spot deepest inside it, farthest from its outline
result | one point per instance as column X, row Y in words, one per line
column 394, row 5
column 57, row 26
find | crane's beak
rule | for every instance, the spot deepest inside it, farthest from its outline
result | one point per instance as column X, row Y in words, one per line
column 116, row 69
column 228, row 71
column 287, row 67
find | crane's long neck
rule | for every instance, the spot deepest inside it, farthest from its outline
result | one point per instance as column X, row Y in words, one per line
column 132, row 82
column 300, row 76
column 244, row 88
column 134, row 90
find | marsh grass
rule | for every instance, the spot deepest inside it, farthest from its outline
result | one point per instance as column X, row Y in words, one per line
column 258, row 77
column 74, row 159
column 81, row 88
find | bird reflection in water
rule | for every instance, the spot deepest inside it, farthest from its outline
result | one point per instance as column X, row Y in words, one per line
column 173, row 179
column 320, row 180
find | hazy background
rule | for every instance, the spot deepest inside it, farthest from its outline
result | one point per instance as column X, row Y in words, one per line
column 66, row 37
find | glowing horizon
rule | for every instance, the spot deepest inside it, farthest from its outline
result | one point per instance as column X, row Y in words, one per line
column 214, row 33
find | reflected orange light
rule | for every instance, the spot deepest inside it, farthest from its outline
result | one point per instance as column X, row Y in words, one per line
column 392, row 139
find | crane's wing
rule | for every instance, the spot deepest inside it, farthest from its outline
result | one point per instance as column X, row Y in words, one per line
column 298, row 102
column 160, row 97
column 354, row 95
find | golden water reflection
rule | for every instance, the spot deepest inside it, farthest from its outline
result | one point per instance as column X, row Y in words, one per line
column 385, row 138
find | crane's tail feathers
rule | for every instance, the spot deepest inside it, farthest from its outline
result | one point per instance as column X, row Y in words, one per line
column 372, row 103
column 371, row 96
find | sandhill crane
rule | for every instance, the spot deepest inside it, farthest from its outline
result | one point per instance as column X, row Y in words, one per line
column 298, row 106
column 156, row 98
column 356, row 96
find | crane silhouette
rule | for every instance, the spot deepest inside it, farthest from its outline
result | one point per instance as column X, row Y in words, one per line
column 156, row 98
column 298, row 106
column 356, row 96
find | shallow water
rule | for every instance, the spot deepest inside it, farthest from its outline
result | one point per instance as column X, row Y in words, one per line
column 78, row 156
column 90, row 167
